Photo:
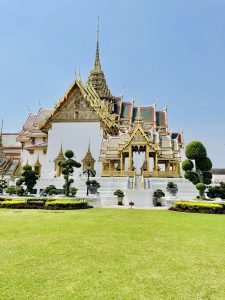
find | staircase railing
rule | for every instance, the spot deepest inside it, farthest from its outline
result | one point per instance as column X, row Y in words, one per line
column 142, row 182
column 134, row 182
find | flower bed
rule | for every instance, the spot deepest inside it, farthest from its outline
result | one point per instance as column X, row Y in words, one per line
column 199, row 207
column 44, row 204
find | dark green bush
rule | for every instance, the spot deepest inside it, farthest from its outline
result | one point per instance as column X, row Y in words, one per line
column 66, row 204
column 195, row 150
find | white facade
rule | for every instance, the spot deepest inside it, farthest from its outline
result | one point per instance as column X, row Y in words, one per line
column 73, row 136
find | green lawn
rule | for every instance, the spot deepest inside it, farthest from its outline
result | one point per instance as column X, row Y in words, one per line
column 111, row 254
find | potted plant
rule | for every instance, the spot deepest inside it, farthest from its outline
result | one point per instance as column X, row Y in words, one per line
column 93, row 186
column 131, row 203
column 172, row 188
column 157, row 197
column 73, row 191
column 120, row 195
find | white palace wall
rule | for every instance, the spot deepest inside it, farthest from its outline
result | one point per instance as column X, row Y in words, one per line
column 74, row 136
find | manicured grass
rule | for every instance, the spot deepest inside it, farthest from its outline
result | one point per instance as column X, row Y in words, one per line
column 111, row 254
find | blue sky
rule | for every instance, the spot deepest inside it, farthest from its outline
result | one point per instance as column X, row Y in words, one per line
column 173, row 49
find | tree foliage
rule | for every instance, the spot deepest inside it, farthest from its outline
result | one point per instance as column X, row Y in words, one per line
column 51, row 190
column 68, row 165
column 3, row 185
column 195, row 150
column 197, row 166
column 27, row 178
column 11, row 190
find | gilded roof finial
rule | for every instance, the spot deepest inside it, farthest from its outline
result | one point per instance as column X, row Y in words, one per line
column 1, row 144
column 97, row 65
column 89, row 145
column 139, row 116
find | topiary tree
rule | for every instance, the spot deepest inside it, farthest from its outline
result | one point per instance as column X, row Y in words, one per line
column 172, row 188
column 68, row 165
column 3, row 185
column 50, row 190
column 73, row 191
column 27, row 178
column 11, row 190
column 157, row 197
column 201, row 187
column 197, row 166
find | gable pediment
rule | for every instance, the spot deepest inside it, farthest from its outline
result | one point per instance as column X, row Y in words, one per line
column 75, row 109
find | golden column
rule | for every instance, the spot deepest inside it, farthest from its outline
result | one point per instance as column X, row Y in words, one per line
column 130, row 159
column 156, row 162
column 147, row 157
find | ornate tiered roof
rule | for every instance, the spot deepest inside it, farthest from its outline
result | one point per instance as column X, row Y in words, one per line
column 97, row 78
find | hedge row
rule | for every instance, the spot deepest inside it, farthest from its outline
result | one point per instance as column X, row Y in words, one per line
column 199, row 207
column 66, row 204
column 41, row 204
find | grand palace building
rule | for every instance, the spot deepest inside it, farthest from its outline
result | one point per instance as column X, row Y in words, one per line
column 114, row 137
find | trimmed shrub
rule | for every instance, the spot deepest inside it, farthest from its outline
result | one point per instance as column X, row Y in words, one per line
column 119, row 193
column 195, row 150
column 204, row 164
column 66, row 204
column 187, row 165
column 14, row 204
column 11, row 190
column 199, row 207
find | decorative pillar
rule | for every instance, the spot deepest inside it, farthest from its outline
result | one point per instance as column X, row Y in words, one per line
column 156, row 162
column 147, row 157
column 167, row 166
column 130, row 159
column 178, row 169
column 121, row 162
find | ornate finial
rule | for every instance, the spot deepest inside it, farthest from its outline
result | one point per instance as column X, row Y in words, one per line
column 166, row 108
column 139, row 116
column 39, row 104
column 97, row 65
column 29, row 110
column 89, row 145
column 2, row 127
column 1, row 144
column 75, row 72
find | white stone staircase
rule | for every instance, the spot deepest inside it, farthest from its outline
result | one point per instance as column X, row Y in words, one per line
column 141, row 195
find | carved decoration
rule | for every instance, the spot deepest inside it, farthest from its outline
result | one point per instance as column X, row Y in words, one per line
column 76, row 109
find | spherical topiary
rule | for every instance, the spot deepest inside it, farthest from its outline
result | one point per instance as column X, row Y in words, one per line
column 204, row 164
column 207, row 181
column 188, row 175
column 187, row 165
column 195, row 150
column 27, row 167
column 207, row 175
column 201, row 187
column 195, row 179
column 69, row 154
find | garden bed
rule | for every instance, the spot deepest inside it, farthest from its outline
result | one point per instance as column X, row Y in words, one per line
column 53, row 204
column 199, row 207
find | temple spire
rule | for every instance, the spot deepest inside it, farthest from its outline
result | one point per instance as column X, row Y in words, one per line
column 96, row 79
column 1, row 143
column 97, row 64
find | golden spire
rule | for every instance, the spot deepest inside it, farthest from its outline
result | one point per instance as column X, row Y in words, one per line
column 1, row 143
column 97, row 65
column 138, row 116
column 97, row 77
